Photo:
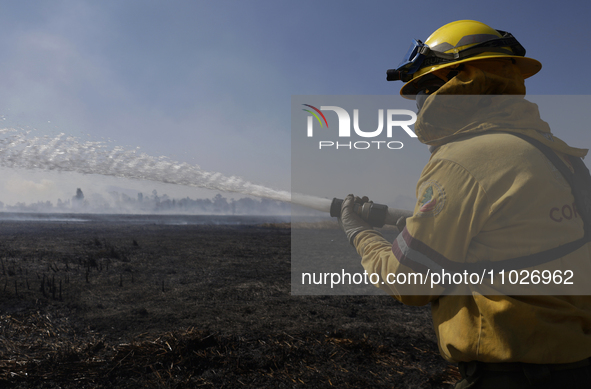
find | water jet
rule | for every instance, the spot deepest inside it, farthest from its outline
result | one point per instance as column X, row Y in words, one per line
column 67, row 154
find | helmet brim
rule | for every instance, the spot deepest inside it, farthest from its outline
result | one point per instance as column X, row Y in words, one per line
column 527, row 66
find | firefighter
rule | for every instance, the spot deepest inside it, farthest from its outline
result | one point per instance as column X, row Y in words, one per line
column 488, row 192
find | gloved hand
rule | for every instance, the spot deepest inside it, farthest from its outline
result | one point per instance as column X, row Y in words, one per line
column 350, row 221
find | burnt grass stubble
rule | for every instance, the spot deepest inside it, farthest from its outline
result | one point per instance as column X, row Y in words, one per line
column 106, row 305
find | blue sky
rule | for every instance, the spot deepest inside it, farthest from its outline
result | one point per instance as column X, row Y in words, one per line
column 210, row 82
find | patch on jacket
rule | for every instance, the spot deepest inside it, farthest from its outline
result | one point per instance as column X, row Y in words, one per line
column 431, row 199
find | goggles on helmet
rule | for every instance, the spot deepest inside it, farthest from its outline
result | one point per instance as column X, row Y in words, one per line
column 419, row 55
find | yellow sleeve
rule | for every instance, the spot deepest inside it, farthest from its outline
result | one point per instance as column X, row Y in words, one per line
column 451, row 209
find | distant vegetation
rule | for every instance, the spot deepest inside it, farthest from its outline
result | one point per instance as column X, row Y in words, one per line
column 154, row 203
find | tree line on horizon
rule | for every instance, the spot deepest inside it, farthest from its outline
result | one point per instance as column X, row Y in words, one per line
column 154, row 203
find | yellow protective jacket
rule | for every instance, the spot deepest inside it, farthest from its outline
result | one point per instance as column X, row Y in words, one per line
column 488, row 194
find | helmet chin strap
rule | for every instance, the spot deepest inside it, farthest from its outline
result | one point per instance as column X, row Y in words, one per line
column 427, row 88
column 431, row 84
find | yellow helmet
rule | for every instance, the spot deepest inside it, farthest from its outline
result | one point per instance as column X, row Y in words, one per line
column 456, row 43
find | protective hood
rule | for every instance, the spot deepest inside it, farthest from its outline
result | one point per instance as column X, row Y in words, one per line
column 483, row 98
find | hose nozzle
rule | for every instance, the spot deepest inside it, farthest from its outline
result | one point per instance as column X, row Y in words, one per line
column 375, row 214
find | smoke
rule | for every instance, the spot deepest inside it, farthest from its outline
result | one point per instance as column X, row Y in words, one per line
column 18, row 186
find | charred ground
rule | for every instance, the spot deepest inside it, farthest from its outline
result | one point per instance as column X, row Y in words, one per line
column 104, row 305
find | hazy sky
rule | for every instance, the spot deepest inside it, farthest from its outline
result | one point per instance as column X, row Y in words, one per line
column 210, row 82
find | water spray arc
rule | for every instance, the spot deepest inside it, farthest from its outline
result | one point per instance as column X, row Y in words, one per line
column 18, row 149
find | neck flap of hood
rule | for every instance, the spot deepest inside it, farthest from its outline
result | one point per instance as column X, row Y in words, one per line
column 484, row 98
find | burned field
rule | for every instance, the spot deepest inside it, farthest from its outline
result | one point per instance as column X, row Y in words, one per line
column 115, row 304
